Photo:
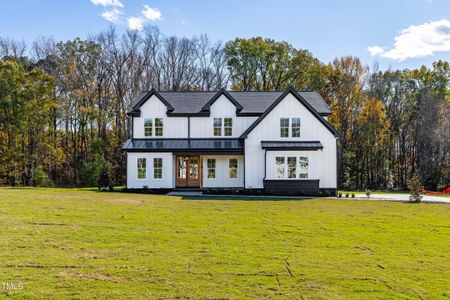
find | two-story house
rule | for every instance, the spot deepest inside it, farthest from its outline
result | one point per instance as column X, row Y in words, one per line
column 279, row 142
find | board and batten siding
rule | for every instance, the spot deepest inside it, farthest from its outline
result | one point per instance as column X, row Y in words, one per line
column 173, row 127
column 222, row 179
column 167, row 180
column 202, row 127
column 323, row 162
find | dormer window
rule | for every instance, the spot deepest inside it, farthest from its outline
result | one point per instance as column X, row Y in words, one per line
column 153, row 127
column 294, row 128
column 223, row 126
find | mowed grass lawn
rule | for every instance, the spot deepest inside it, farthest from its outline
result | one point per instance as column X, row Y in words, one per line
column 79, row 244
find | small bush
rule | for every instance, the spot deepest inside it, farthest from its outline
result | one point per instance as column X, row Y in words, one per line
column 414, row 188
column 41, row 178
column 347, row 195
column 353, row 195
column 340, row 194
column 368, row 193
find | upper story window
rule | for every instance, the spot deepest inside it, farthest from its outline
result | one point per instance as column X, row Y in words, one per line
column 223, row 126
column 148, row 127
column 217, row 126
column 228, row 129
column 295, row 127
column 284, row 127
column 153, row 127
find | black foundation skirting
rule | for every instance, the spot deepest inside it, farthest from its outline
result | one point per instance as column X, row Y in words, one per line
column 306, row 187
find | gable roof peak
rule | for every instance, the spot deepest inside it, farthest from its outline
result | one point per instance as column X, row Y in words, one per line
column 302, row 100
column 221, row 92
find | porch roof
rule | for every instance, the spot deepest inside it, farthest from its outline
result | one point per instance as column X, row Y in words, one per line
column 186, row 146
column 291, row 145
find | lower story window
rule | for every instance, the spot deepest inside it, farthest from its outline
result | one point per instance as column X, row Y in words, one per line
column 141, row 168
column 292, row 167
column 157, row 168
column 232, row 168
column 304, row 165
column 211, row 163
column 279, row 161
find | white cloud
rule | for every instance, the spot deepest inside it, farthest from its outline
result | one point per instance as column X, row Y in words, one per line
column 147, row 14
column 135, row 23
column 417, row 41
column 375, row 50
column 152, row 14
column 107, row 2
column 112, row 15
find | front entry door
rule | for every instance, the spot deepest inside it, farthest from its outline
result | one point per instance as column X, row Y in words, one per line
column 188, row 172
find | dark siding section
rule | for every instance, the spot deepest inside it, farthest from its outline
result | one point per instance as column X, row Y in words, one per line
column 292, row 187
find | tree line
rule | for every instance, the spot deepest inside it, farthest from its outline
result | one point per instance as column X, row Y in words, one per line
column 63, row 104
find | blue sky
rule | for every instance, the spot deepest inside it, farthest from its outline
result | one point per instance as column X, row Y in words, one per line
column 394, row 33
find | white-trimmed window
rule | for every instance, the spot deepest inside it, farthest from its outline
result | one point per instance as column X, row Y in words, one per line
column 228, row 126
column 157, row 168
column 159, row 128
column 141, row 168
column 217, row 126
column 303, row 166
column 295, row 127
column 148, row 127
column 284, row 127
column 211, row 164
column 292, row 166
column 153, row 127
column 223, row 126
column 280, row 166
column 233, row 168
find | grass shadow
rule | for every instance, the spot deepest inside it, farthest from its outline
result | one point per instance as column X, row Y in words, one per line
column 246, row 198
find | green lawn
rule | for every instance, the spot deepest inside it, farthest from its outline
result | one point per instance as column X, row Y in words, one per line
column 80, row 244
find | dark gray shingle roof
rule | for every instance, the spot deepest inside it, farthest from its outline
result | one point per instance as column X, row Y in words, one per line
column 252, row 102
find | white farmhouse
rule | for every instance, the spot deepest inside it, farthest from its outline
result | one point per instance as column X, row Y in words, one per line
column 276, row 142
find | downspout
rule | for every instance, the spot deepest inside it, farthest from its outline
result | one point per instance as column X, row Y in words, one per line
column 244, row 162
column 189, row 128
column 132, row 127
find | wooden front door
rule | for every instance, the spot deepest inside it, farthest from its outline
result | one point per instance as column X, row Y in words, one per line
column 188, row 172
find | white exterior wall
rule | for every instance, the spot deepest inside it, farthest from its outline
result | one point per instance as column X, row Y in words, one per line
column 323, row 162
column 174, row 127
column 167, row 181
column 202, row 127
column 222, row 179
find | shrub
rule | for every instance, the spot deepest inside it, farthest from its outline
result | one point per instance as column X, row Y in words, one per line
column 414, row 188
column 368, row 193
column 353, row 195
column 340, row 194
column 347, row 195
column 104, row 176
column 41, row 178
